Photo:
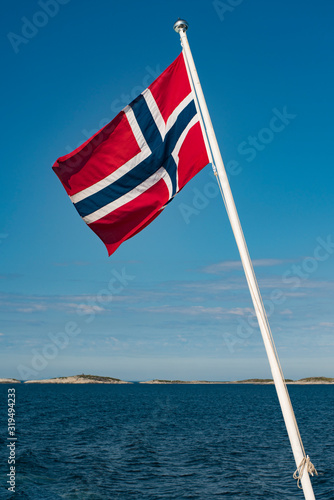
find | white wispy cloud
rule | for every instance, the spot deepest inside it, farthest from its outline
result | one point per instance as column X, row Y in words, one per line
column 32, row 309
column 325, row 341
column 197, row 310
column 231, row 265
column 286, row 312
column 87, row 308
column 72, row 264
column 295, row 288
column 28, row 304
column 215, row 286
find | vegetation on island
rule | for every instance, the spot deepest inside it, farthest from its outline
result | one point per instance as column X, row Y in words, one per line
column 317, row 379
column 264, row 381
column 79, row 379
column 96, row 377
column 256, row 381
column 9, row 381
column 101, row 379
column 169, row 381
column 260, row 381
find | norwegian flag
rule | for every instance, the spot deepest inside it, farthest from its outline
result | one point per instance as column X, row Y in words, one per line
column 123, row 177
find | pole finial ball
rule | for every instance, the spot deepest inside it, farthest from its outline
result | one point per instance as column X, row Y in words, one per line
column 180, row 25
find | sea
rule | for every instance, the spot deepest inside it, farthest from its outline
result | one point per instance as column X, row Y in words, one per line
column 150, row 442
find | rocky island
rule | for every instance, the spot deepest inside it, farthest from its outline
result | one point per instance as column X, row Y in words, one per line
column 314, row 380
column 262, row 381
column 9, row 381
column 96, row 379
column 79, row 379
column 159, row 381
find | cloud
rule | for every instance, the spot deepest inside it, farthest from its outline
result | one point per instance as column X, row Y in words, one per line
column 270, row 262
column 219, row 267
column 32, row 308
column 208, row 287
column 28, row 304
column 327, row 324
column 197, row 310
column 286, row 312
column 231, row 265
column 88, row 309
column 240, row 311
column 113, row 339
column 325, row 341
column 73, row 263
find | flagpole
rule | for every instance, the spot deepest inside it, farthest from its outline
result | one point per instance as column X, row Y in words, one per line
column 302, row 462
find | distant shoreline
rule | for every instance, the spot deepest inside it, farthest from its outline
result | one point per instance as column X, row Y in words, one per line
column 304, row 381
column 96, row 379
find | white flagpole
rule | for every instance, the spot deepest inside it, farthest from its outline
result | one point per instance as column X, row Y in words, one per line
column 302, row 462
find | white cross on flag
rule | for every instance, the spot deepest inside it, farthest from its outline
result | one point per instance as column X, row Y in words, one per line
column 122, row 177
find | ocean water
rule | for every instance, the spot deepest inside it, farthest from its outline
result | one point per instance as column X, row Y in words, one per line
column 150, row 442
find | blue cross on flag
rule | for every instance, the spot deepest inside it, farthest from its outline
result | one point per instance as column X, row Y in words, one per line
column 122, row 177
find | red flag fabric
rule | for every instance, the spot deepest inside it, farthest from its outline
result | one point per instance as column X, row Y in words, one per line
column 121, row 178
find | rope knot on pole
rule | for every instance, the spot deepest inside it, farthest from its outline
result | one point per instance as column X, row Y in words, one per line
column 298, row 474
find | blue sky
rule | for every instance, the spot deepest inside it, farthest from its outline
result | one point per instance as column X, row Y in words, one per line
column 171, row 302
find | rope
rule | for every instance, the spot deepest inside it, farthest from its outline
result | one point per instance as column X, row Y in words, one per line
column 298, row 474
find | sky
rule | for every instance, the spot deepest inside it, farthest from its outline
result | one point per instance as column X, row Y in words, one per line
column 172, row 302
